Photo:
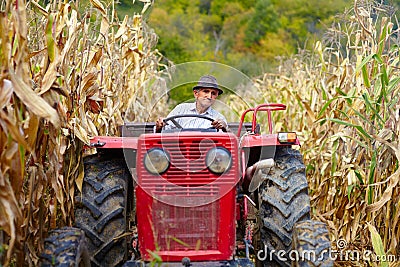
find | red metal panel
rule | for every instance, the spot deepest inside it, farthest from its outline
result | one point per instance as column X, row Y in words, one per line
column 263, row 140
column 187, row 211
column 114, row 142
column 188, row 168
column 202, row 233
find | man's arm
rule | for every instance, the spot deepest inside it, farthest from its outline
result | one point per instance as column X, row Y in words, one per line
column 160, row 124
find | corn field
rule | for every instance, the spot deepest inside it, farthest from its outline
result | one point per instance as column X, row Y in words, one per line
column 343, row 99
column 69, row 72
column 66, row 73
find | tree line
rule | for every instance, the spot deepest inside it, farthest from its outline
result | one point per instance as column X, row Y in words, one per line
column 245, row 34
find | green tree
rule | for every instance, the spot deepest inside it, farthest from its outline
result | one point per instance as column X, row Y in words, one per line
column 305, row 19
column 245, row 34
column 264, row 19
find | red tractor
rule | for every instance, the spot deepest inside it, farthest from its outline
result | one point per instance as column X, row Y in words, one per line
column 193, row 197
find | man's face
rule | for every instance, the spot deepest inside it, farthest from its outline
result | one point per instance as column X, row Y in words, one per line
column 206, row 96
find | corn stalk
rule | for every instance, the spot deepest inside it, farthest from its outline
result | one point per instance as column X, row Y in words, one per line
column 343, row 100
column 67, row 73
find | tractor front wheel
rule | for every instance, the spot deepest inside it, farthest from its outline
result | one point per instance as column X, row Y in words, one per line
column 312, row 244
column 284, row 201
column 101, row 209
column 65, row 247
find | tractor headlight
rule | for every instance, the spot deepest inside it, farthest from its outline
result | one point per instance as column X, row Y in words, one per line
column 218, row 160
column 156, row 161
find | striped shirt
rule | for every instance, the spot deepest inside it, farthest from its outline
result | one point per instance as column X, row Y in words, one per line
column 192, row 122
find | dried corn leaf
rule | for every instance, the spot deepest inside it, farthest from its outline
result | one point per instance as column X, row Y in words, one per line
column 97, row 4
column 5, row 93
column 35, row 103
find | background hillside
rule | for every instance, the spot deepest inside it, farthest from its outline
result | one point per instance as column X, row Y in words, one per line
column 249, row 35
column 245, row 34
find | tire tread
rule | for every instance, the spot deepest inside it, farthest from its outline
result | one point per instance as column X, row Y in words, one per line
column 63, row 247
column 312, row 236
column 101, row 209
column 284, row 202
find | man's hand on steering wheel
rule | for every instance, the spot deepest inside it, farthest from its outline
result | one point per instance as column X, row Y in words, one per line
column 220, row 124
column 160, row 124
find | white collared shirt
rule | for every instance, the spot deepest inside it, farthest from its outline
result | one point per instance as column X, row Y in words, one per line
column 190, row 108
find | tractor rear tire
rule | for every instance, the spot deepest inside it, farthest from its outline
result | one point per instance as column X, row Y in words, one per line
column 284, row 201
column 65, row 247
column 100, row 209
column 312, row 244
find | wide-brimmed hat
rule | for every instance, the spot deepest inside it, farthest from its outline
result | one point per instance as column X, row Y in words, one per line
column 208, row 81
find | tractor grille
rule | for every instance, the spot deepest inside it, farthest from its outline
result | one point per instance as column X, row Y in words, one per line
column 187, row 210
column 188, row 168
column 186, row 228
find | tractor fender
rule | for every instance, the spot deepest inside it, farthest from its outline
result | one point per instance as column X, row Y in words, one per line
column 256, row 174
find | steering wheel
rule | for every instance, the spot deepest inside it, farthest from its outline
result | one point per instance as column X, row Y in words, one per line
column 177, row 125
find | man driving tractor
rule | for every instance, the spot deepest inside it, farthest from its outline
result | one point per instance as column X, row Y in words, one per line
column 205, row 92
